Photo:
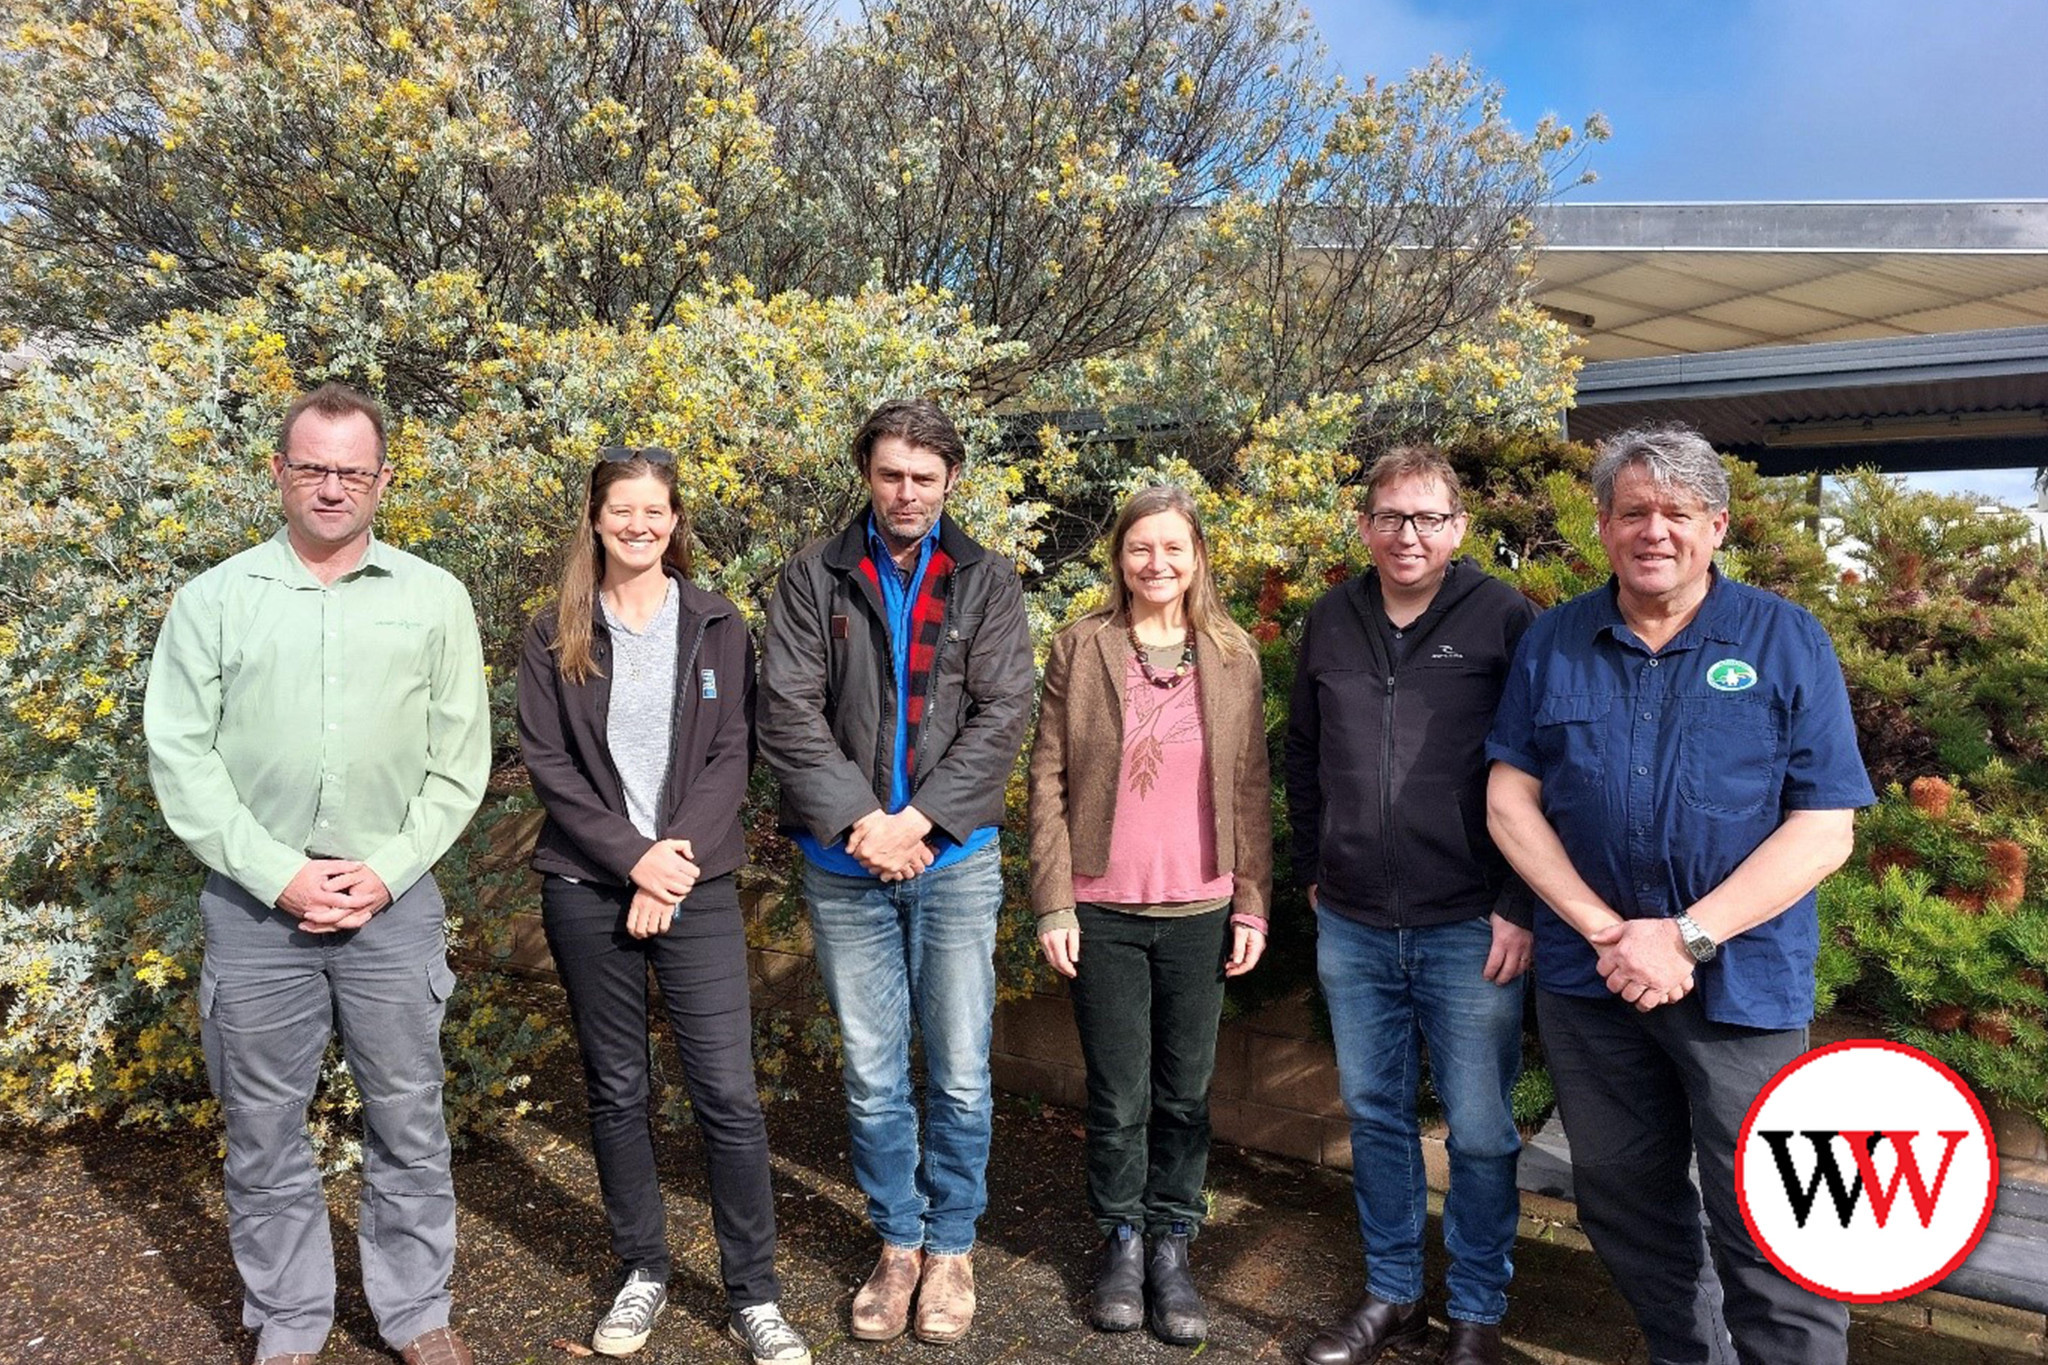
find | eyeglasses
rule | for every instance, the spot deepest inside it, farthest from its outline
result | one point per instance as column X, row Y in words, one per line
column 1426, row 524
column 660, row 455
column 304, row 475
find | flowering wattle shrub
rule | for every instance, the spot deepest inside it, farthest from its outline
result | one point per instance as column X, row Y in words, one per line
column 141, row 463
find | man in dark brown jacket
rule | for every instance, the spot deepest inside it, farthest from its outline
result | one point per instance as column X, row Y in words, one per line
column 896, row 682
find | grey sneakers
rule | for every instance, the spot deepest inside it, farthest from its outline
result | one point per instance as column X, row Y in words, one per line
column 767, row 1337
column 761, row 1328
column 626, row 1328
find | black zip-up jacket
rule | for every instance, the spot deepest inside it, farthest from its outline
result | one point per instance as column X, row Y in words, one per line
column 828, row 690
column 1386, row 766
column 587, row 834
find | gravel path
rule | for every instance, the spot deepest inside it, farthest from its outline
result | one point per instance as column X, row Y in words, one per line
column 113, row 1249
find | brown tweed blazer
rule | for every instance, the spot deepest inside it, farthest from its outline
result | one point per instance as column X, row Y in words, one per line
column 1077, row 759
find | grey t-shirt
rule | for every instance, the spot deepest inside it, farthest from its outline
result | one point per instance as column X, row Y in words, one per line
column 639, row 728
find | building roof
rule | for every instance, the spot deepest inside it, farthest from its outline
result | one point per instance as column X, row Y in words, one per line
column 1965, row 401
column 1811, row 336
column 1638, row 280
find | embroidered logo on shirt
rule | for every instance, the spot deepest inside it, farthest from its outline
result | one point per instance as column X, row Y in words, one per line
column 1446, row 652
column 707, row 683
column 1730, row 675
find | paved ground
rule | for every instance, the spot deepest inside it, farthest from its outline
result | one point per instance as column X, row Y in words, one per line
column 112, row 1248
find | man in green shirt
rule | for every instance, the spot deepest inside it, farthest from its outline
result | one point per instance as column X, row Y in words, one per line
column 318, row 736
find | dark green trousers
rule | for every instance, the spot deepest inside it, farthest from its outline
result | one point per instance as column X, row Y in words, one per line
column 1147, row 1001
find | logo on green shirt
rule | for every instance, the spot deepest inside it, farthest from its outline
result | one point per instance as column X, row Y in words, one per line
column 1730, row 675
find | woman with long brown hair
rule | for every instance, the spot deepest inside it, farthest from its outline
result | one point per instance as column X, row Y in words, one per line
column 636, row 697
column 1151, row 869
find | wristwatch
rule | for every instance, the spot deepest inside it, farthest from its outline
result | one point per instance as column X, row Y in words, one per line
column 1698, row 943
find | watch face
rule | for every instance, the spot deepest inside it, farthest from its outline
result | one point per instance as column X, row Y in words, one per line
column 1696, row 940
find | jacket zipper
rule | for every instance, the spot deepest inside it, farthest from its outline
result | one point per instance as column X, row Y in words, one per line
column 938, row 653
column 687, row 666
column 604, row 713
column 1387, row 796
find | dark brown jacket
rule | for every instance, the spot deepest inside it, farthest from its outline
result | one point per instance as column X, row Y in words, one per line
column 562, row 739
column 1077, row 759
column 828, row 690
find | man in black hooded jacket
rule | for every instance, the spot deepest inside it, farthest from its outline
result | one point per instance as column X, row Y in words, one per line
column 1422, row 930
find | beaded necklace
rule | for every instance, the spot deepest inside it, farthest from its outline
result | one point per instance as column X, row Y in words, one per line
column 1181, row 671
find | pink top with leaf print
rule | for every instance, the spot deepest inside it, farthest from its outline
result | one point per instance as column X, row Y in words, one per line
column 1162, row 847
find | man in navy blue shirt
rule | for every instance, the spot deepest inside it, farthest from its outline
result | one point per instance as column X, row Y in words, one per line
column 1674, row 772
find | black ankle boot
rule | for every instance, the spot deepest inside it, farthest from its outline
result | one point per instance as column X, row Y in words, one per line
column 1119, row 1301
column 1177, row 1314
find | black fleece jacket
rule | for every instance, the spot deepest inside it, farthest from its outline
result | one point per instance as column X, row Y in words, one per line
column 562, row 738
column 1386, row 763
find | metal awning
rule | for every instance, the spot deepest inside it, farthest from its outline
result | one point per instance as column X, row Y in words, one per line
column 1638, row 280
column 1974, row 400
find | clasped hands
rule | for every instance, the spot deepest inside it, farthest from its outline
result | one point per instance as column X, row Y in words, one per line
column 662, row 878
column 891, row 847
column 328, row 895
column 1644, row 961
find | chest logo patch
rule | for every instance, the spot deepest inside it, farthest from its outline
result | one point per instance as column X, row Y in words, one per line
column 1446, row 652
column 1730, row 675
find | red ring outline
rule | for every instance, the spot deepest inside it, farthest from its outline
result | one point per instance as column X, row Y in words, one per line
column 1881, row 1045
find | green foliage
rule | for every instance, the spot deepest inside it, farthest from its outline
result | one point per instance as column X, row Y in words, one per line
column 1940, row 627
column 728, row 229
column 572, row 160
column 1938, row 926
column 1941, row 932
column 144, row 461
column 1054, row 164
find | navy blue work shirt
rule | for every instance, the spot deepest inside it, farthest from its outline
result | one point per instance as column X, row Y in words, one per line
column 1663, row 771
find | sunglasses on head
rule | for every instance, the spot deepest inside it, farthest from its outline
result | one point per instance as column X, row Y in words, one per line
column 660, row 455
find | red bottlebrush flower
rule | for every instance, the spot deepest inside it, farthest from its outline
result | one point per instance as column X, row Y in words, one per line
column 1850, row 578
column 2009, row 863
column 1272, row 592
column 1969, row 902
column 1931, row 796
column 1888, row 856
column 1992, row 1029
column 1946, row 1018
column 1907, row 566
column 1336, row 573
column 2027, row 976
column 1266, row 632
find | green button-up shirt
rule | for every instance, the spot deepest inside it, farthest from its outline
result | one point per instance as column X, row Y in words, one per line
column 286, row 716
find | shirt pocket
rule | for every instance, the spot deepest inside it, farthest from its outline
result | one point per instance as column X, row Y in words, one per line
column 1729, row 754
column 392, row 656
column 1571, row 743
column 956, row 638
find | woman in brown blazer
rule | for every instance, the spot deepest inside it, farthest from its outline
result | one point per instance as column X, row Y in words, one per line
column 1151, row 867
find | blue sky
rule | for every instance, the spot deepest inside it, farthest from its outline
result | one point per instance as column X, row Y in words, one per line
column 1755, row 99
column 1750, row 99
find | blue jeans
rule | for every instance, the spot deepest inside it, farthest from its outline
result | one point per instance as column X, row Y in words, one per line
column 1390, row 991
column 891, row 953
